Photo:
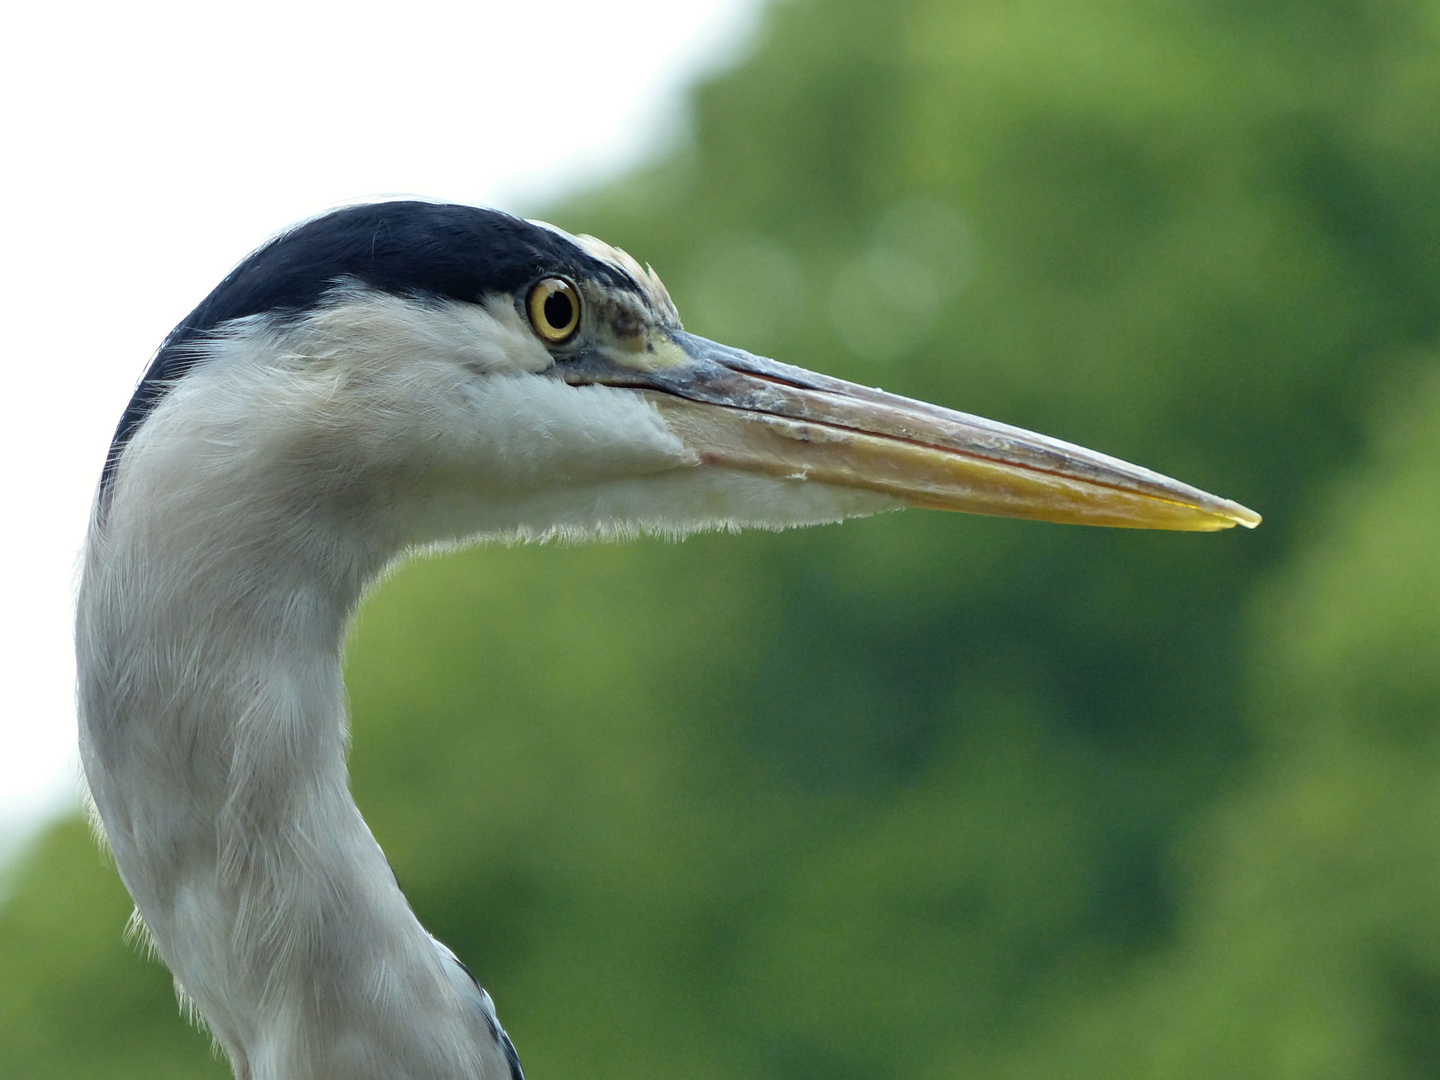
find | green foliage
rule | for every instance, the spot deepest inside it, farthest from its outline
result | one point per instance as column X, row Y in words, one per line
column 1308, row 946
column 934, row 796
column 74, row 998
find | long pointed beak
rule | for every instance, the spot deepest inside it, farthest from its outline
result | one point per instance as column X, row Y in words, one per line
column 746, row 412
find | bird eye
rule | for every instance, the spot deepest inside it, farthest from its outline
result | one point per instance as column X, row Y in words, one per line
column 554, row 308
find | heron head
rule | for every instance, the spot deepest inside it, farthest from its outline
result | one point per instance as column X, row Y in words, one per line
column 449, row 371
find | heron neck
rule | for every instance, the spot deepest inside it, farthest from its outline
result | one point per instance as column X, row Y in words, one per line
column 213, row 734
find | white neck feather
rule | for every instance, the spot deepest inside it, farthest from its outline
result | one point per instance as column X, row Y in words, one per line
column 213, row 725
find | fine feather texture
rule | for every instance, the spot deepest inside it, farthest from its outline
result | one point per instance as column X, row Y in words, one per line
column 295, row 460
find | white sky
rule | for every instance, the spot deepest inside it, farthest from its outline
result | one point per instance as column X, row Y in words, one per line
column 149, row 146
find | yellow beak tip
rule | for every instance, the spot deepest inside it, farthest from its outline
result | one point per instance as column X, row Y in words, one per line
column 1243, row 516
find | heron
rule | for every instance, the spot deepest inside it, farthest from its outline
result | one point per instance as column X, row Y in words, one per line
column 378, row 380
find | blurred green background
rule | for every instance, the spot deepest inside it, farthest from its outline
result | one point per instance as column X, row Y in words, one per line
column 926, row 796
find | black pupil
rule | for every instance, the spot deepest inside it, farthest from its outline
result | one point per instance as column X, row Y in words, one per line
column 559, row 310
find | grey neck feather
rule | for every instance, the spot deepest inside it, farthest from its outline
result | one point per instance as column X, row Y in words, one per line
column 209, row 634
